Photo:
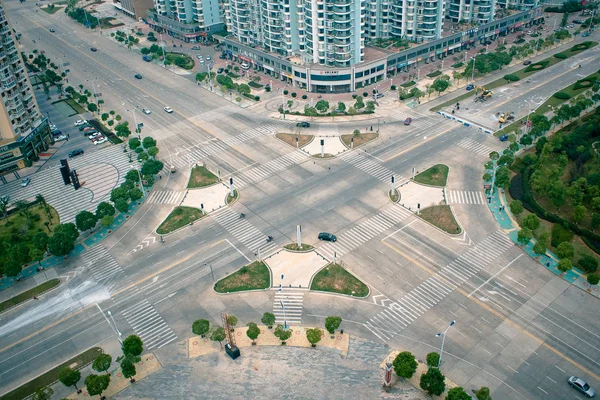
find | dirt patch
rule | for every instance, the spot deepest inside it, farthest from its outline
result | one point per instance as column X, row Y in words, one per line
column 442, row 217
column 290, row 139
column 359, row 139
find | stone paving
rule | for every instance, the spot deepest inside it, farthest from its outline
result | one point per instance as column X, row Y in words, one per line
column 331, row 145
column 412, row 194
column 212, row 197
column 298, row 268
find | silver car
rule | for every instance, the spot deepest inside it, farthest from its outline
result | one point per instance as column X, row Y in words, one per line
column 582, row 386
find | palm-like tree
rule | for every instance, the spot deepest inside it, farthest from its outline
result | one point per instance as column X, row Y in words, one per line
column 24, row 210
column 40, row 200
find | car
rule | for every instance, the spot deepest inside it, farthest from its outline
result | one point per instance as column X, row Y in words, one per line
column 57, row 132
column 60, row 138
column 245, row 66
column 168, row 109
column 571, row 26
column 94, row 49
column 146, row 111
column 199, row 56
column 94, row 135
column 378, row 95
column 220, row 70
column 527, row 62
column 195, row 47
column 581, row 386
column 84, row 127
column 80, row 122
column 152, row 39
column 578, row 21
column 407, row 121
column 303, row 124
column 328, row 237
column 25, row 182
column 89, row 130
column 585, row 34
column 201, row 61
column 100, row 141
column 75, row 153
column 53, row 127
column 52, row 30
column 470, row 86
column 529, row 32
column 503, row 138
column 208, row 58
column 137, row 76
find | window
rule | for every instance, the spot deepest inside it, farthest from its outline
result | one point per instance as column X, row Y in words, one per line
column 341, row 77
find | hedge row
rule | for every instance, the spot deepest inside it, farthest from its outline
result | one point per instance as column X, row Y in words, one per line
column 434, row 74
column 330, row 114
column 561, row 56
column 581, row 46
column 538, row 66
column 583, row 84
column 512, row 78
column 562, row 95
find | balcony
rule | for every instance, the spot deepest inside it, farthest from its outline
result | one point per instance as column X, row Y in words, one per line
column 9, row 84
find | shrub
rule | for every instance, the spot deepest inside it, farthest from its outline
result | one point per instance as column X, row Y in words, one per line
column 294, row 94
column 304, row 97
column 393, row 87
column 365, row 94
column 562, row 95
column 512, row 78
column 257, row 98
column 433, row 359
column 588, row 264
column 457, row 65
column 560, row 56
column 560, row 235
column 405, row 365
column 593, row 279
column 285, row 92
column 434, row 74
column 537, row 66
column 583, row 84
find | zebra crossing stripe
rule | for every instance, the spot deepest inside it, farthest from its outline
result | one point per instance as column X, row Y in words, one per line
column 149, row 325
column 464, row 197
column 245, row 232
column 101, row 263
column 368, row 166
column 474, row 146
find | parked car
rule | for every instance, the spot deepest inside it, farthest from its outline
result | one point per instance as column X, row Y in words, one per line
column 470, row 86
column 94, row 49
column 527, row 62
column 137, row 76
column 378, row 95
column 53, row 127
column 75, row 153
column 52, row 29
column 503, row 138
column 57, row 133
column 84, row 126
column 328, row 237
column 80, row 122
column 303, row 124
column 581, row 386
column 208, row 58
column 146, row 111
column 199, row 56
column 88, row 129
column 220, row 71
column 60, row 138
column 195, row 47
column 168, row 109
column 245, row 66
column 25, row 182
column 407, row 121
column 100, row 141
column 571, row 26
column 94, row 135
column 585, row 34
column 578, row 21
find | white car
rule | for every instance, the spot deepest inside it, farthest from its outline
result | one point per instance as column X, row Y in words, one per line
column 146, row 111
column 25, row 182
column 199, row 56
column 80, row 122
column 208, row 58
column 60, row 138
column 53, row 127
column 94, row 135
column 103, row 140
column 168, row 109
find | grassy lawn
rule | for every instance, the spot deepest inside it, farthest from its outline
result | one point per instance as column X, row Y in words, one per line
column 180, row 216
column 201, row 177
column 394, row 196
column 334, row 278
column 434, row 176
column 442, row 217
column 294, row 247
column 78, row 108
column 51, row 376
column 249, row 277
column 13, row 301
column 50, row 11
column 359, row 139
column 181, row 60
column 290, row 139
column 326, row 155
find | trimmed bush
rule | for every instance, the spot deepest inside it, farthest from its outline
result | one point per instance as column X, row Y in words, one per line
column 304, row 97
column 562, row 95
column 285, row 92
column 560, row 56
column 294, row 94
column 581, row 46
column 365, row 94
column 434, row 74
column 458, row 65
column 408, row 84
column 583, row 84
column 257, row 98
column 512, row 78
column 393, row 87
column 538, row 66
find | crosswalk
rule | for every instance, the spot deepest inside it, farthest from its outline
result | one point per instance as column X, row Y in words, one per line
column 419, row 122
column 476, row 147
column 371, row 167
column 270, row 168
column 464, row 197
column 287, row 307
column 149, row 325
column 365, row 231
column 103, row 266
column 400, row 314
column 165, row 197
column 244, row 231
column 200, row 151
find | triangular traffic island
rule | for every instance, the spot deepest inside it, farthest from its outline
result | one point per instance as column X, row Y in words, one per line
column 297, row 141
column 358, row 139
column 254, row 276
column 334, row 278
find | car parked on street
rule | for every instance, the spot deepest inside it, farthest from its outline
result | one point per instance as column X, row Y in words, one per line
column 100, row 141
column 195, row 47
column 199, row 56
column 168, row 109
column 581, row 386
column 137, row 76
column 585, row 34
column 470, row 86
column 25, row 182
column 52, row 29
column 527, row 63
column 146, row 111
column 408, row 121
column 94, row 49
column 75, row 153
column 303, row 124
column 328, row 237
column 60, row 138
column 503, row 138
column 80, row 122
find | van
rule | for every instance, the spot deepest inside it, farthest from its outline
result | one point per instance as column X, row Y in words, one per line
column 245, row 66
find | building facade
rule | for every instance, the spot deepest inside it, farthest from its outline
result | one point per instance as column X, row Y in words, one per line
column 23, row 131
column 188, row 20
column 134, row 8
column 470, row 11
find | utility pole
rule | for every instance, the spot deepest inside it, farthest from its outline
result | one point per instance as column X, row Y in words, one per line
column 443, row 335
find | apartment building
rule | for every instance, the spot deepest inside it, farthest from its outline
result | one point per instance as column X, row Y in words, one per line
column 470, row 11
column 188, row 20
column 24, row 132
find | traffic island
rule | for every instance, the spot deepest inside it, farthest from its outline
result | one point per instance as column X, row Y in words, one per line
column 335, row 279
column 178, row 218
column 434, row 176
column 296, row 267
column 394, row 196
column 200, row 176
column 358, row 139
column 294, row 140
column 303, row 248
column 441, row 217
column 29, row 294
column 198, row 346
column 254, row 276
column 325, row 147
column 232, row 199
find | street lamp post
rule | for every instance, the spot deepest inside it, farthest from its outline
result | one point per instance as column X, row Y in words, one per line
column 163, row 49
column 137, row 130
column 473, row 72
column 443, row 335
column 528, row 112
column 140, row 176
column 283, row 99
column 282, row 304
column 116, row 327
column 418, row 73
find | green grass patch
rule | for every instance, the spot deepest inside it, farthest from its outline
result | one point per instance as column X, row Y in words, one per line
column 583, row 84
column 231, row 198
column 434, row 176
column 434, row 74
column 201, row 177
column 179, row 217
column 181, row 60
column 562, row 56
column 78, row 108
column 394, row 196
column 538, row 66
column 295, row 247
column 255, row 85
column 581, row 46
column 290, row 139
column 333, row 278
column 51, row 376
column 512, row 78
column 408, row 84
column 442, row 217
column 359, row 139
column 18, row 299
column 250, row 277
column 49, row 10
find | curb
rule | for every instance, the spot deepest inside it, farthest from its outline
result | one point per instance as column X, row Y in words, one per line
column 31, row 298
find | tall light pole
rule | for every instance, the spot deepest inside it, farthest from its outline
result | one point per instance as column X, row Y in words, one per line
column 135, row 121
column 283, row 99
column 116, row 327
column 473, row 72
column 528, row 112
column 140, row 176
column 163, row 49
column 282, row 304
column 443, row 335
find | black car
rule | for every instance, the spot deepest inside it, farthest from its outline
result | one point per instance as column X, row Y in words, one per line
column 94, row 49
column 220, row 70
column 328, row 237
column 152, row 39
column 303, row 124
column 137, row 76
column 487, row 43
column 82, row 127
column 75, row 153
column 527, row 63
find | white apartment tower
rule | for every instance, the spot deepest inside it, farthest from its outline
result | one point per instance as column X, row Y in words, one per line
column 471, row 11
column 417, row 20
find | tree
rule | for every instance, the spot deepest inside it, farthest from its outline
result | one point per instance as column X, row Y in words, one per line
column 433, row 382
column 243, row 89
column 24, row 210
column 148, row 142
column 43, row 394
column 282, row 334
column 457, row 393
column 540, row 247
column 341, row 106
column 134, row 143
column 483, row 394
column 565, row 250
column 36, row 255
column 107, row 221
column 516, row 207
column 133, row 345
column 103, row 209
column 314, row 336
column 593, row 279
column 40, row 241
column 440, row 84
column 60, row 244
column 128, row 368
column 268, row 319
column 524, row 236
column 85, row 220
column 153, row 151
column 232, row 319
column 102, row 363
column 433, row 359
column 118, row 193
column 579, row 213
column 136, row 194
column 12, row 269
column 69, row 377
column 405, row 364
column 96, row 384
column 92, row 107
column 218, row 335
column 565, row 265
column 122, row 129
column 200, row 327
column 252, row 332
column 332, row 323
column 531, row 221
column 502, row 177
column 122, row 205
column 322, row 106
column 40, row 200
column 152, row 167
column 526, row 140
column 588, row 263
